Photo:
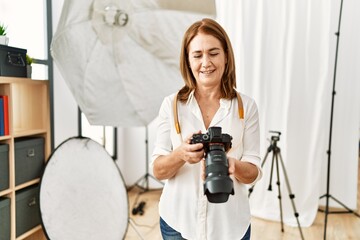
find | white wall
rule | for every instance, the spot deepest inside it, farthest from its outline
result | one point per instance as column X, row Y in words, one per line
column 65, row 107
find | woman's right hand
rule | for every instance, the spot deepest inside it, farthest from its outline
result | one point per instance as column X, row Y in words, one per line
column 191, row 153
column 166, row 166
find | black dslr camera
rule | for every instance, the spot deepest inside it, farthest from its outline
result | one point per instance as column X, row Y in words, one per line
column 218, row 185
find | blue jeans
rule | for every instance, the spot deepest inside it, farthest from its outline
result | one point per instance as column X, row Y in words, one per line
column 168, row 233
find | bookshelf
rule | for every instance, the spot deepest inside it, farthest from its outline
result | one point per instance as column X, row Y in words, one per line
column 29, row 116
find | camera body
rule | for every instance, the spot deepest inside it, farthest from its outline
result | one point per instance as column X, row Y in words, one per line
column 218, row 185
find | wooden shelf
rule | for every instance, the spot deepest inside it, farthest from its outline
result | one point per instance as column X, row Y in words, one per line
column 29, row 116
column 28, row 132
column 32, row 234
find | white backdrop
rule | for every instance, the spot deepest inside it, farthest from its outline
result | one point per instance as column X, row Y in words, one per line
column 285, row 52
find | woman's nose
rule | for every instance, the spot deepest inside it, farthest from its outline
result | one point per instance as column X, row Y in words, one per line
column 206, row 62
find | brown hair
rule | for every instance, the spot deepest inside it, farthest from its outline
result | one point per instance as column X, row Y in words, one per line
column 228, row 81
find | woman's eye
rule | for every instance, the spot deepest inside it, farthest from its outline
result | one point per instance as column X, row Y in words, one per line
column 209, row 54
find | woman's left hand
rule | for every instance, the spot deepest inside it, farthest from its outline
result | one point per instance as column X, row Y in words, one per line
column 231, row 162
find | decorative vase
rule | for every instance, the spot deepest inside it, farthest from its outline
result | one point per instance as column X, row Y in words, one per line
column 4, row 40
column 28, row 71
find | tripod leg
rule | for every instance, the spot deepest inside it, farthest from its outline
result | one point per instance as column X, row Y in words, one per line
column 348, row 210
column 271, row 172
column 279, row 190
column 262, row 164
column 267, row 153
column 131, row 223
column 143, row 182
column 291, row 195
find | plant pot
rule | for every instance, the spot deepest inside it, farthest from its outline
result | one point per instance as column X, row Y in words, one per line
column 4, row 40
column 28, row 71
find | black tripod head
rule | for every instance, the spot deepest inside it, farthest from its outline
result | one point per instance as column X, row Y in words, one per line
column 275, row 137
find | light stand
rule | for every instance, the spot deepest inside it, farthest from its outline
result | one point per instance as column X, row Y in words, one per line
column 327, row 195
column 275, row 159
column 143, row 182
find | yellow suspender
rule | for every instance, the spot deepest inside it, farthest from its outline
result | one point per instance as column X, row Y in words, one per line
column 240, row 106
column 176, row 118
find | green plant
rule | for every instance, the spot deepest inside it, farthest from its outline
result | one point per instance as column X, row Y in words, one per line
column 29, row 60
column 2, row 29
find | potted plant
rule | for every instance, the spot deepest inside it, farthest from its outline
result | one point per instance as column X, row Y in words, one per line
column 29, row 61
column 4, row 40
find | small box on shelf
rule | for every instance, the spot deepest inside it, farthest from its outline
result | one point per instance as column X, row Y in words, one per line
column 4, row 218
column 29, row 159
column 4, row 167
column 12, row 61
column 27, row 209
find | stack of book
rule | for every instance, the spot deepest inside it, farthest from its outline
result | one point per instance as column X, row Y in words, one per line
column 4, row 115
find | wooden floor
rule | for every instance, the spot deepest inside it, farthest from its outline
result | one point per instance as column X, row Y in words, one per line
column 340, row 226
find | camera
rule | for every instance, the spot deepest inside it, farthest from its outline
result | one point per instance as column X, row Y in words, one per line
column 218, row 185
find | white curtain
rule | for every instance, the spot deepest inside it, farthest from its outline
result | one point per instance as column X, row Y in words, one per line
column 285, row 53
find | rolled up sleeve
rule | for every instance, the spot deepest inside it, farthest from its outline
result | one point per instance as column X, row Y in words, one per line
column 162, row 145
column 252, row 138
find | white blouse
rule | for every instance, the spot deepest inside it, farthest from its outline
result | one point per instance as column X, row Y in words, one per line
column 183, row 204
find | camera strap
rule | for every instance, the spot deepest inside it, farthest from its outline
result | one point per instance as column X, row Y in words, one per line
column 176, row 117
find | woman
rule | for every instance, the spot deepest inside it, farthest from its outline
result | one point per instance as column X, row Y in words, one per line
column 207, row 99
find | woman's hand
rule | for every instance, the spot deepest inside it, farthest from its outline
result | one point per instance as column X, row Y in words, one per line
column 166, row 166
column 231, row 162
column 191, row 153
column 244, row 172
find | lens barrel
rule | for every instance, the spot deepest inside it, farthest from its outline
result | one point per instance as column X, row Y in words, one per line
column 218, row 185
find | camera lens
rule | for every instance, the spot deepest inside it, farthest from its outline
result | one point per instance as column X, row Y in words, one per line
column 218, row 185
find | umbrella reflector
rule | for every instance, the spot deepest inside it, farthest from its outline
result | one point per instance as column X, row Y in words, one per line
column 120, row 58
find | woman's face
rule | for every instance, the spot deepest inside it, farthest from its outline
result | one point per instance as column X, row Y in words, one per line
column 207, row 60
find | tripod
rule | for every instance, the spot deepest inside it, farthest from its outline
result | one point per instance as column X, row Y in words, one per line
column 275, row 159
column 327, row 195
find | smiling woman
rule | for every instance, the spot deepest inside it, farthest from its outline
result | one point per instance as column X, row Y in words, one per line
column 207, row 101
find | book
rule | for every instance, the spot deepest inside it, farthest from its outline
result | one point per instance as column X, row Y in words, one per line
column 2, row 124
